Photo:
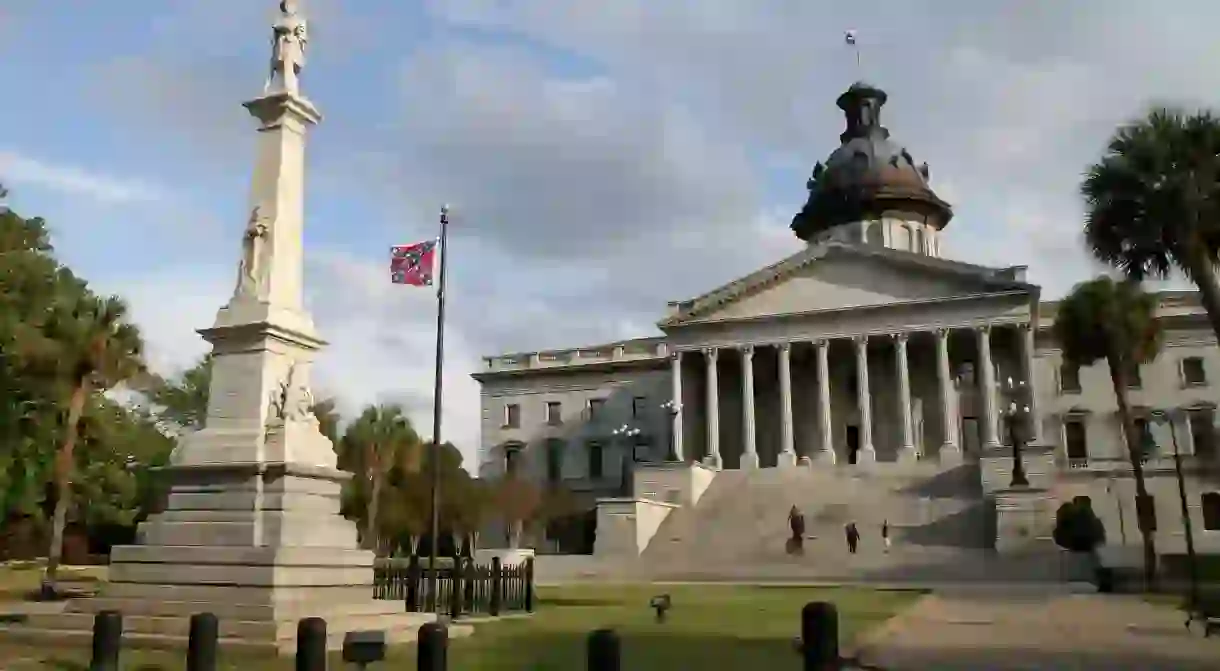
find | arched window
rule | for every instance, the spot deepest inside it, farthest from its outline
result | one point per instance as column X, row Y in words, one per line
column 1211, row 511
column 902, row 235
column 874, row 234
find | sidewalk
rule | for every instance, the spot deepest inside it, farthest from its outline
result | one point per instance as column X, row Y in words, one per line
column 1026, row 632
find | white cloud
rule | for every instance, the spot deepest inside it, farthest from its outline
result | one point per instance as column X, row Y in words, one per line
column 17, row 169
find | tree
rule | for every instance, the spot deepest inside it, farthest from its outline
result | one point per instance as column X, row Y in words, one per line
column 1077, row 527
column 182, row 401
column 404, row 510
column 1115, row 322
column 517, row 501
column 1153, row 201
column 381, row 435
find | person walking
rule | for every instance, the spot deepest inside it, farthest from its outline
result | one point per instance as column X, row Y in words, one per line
column 885, row 534
column 796, row 521
column 853, row 537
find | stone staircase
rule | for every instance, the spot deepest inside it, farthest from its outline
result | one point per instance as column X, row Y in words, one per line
column 941, row 524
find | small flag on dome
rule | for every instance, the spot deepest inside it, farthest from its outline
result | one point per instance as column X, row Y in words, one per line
column 413, row 264
column 850, row 37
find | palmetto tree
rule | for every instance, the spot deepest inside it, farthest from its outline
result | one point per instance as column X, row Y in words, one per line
column 1115, row 322
column 98, row 348
column 1153, row 201
column 379, row 438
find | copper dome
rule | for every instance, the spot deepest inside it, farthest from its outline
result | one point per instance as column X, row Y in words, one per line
column 868, row 176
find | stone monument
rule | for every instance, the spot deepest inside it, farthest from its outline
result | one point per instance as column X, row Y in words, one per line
column 252, row 530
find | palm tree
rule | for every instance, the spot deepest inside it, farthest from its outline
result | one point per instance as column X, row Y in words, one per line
column 98, row 348
column 1116, row 322
column 381, row 436
column 1153, row 201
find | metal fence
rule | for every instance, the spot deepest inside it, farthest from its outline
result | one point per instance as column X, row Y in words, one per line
column 464, row 588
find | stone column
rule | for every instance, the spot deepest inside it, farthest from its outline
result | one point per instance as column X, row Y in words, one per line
column 711, row 356
column 676, row 413
column 1026, row 333
column 826, row 448
column 907, row 451
column 749, row 452
column 864, row 402
column 950, row 449
column 787, row 451
column 987, row 387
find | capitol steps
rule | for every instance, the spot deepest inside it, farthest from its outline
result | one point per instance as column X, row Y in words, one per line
column 939, row 522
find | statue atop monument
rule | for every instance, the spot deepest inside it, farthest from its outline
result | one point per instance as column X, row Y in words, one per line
column 289, row 39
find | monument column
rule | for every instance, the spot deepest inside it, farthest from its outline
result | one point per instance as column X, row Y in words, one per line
column 826, row 447
column 787, row 451
column 252, row 530
column 987, row 387
column 907, row 451
column 711, row 356
column 864, row 402
column 749, row 454
column 1026, row 333
column 949, row 449
column 676, row 413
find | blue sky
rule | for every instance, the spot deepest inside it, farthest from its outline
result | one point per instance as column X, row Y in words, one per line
column 604, row 158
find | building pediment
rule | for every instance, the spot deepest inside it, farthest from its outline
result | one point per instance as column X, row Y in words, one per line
column 836, row 276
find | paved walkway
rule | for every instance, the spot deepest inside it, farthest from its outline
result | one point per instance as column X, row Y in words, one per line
column 952, row 631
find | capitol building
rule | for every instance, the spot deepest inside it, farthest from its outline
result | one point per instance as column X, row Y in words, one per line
column 865, row 378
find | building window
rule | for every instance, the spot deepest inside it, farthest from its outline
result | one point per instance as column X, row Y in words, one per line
column 1134, row 381
column 1210, row 502
column 512, row 416
column 1203, row 433
column 512, row 459
column 554, row 460
column 595, row 461
column 554, row 413
column 1193, row 372
column 1076, row 437
column 638, row 404
column 595, row 408
column 1069, row 379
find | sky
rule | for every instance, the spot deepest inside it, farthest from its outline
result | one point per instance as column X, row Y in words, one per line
column 602, row 158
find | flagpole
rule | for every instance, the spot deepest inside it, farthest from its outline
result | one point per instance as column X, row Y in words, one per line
column 436, row 413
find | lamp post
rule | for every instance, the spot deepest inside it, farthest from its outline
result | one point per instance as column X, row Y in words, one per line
column 672, row 408
column 629, row 434
column 1164, row 417
column 1017, row 412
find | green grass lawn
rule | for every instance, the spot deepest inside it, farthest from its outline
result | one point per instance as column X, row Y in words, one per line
column 20, row 579
column 709, row 627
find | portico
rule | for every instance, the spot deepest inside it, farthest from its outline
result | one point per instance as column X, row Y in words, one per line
column 847, row 399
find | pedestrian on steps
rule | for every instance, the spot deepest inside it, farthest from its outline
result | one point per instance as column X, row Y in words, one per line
column 885, row 534
column 853, row 537
column 796, row 522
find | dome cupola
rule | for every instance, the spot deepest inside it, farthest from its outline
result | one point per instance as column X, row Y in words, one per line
column 869, row 177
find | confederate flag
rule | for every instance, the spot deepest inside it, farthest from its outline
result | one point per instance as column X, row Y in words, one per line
column 412, row 264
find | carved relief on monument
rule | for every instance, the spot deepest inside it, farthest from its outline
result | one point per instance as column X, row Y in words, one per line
column 291, row 400
column 252, row 270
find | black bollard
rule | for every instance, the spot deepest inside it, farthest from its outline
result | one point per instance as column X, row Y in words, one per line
column 604, row 651
column 820, row 636
column 311, row 644
column 107, row 641
column 432, row 647
column 202, row 642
